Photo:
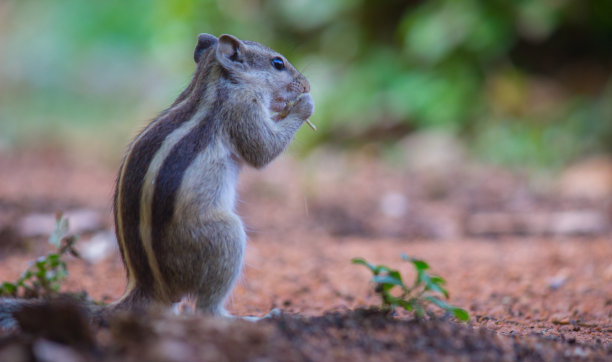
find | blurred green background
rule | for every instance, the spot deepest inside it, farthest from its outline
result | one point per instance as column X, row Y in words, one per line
column 523, row 82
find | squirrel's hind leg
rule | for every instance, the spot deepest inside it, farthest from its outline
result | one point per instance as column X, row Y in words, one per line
column 220, row 262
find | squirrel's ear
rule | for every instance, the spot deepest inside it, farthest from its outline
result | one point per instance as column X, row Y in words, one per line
column 230, row 51
column 205, row 41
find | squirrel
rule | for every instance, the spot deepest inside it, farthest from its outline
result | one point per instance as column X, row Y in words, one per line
column 176, row 227
column 174, row 200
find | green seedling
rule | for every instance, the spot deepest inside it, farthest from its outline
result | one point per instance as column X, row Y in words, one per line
column 425, row 289
column 44, row 276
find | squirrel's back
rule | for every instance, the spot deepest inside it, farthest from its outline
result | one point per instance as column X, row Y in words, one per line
column 153, row 170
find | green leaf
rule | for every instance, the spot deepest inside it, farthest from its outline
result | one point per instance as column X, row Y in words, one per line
column 461, row 314
column 430, row 285
column 439, row 303
column 8, row 288
column 386, row 279
column 54, row 260
column 437, row 288
column 395, row 274
column 406, row 304
column 437, row 280
column 375, row 269
column 361, row 261
column 422, row 278
column 418, row 264
column 382, row 268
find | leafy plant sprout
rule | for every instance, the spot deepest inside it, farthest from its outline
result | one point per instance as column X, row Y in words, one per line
column 44, row 276
column 425, row 289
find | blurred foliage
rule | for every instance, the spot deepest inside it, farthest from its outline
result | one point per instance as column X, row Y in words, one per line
column 524, row 81
column 44, row 276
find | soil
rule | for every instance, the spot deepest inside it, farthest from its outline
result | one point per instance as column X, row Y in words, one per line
column 532, row 265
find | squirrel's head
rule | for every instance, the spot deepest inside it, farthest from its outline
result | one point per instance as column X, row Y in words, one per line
column 250, row 63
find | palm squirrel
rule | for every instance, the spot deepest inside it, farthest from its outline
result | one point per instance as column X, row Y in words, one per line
column 174, row 199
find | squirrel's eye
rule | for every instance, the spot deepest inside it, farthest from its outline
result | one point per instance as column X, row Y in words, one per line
column 278, row 63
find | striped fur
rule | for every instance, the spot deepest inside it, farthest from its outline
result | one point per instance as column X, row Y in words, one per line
column 174, row 199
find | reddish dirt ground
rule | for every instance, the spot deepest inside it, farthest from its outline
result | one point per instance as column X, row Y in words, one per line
column 534, row 269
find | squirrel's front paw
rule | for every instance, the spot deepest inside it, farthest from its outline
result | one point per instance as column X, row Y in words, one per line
column 303, row 107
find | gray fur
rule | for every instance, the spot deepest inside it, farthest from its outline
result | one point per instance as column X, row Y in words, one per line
column 205, row 41
column 201, row 249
